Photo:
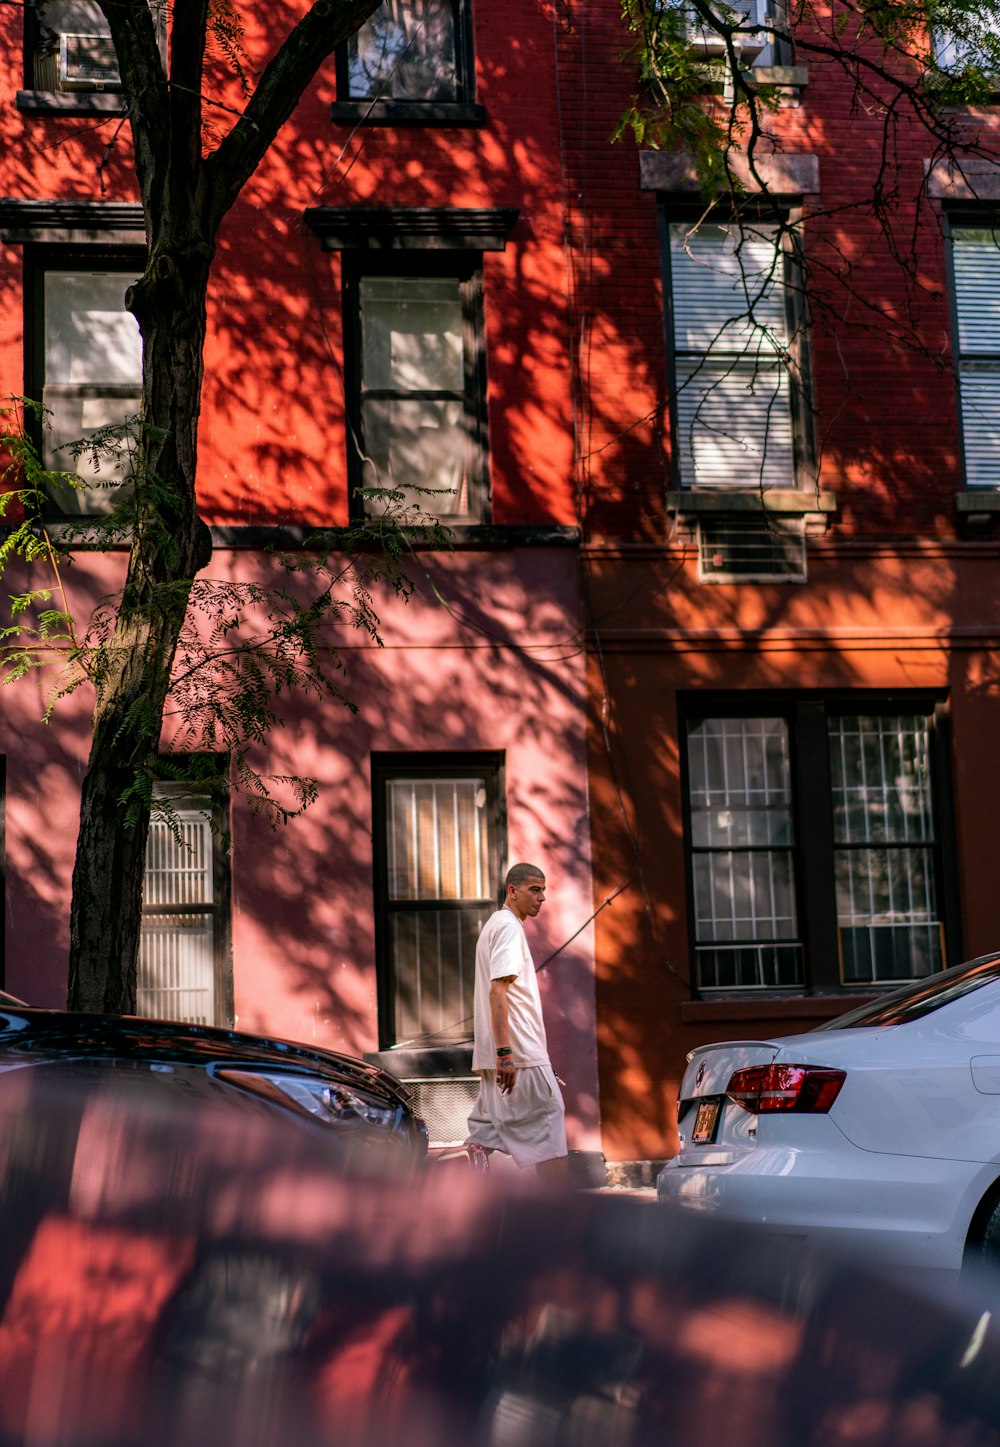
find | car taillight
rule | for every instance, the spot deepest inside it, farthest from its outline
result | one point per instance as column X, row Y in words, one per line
column 802, row 1088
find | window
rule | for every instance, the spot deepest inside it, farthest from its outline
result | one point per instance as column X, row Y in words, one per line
column 816, row 856
column 85, row 366
column 417, row 388
column 965, row 38
column 410, row 54
column 757, row 47
column 184, row 944
column 68, row 46
column 438, row 841
column 737, row 384
column 975, row 254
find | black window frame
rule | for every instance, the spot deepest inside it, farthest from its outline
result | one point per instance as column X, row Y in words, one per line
column 806, row 714
column 467, row 268
column 462, row 111
column 804, row 455
column 432, row 765
column 39, row 260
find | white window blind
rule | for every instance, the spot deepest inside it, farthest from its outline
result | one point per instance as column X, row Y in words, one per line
column 177, row 949
column 976, row 270
column 731, row 340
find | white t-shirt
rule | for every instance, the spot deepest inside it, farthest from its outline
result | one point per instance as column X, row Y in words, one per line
column 502, row 950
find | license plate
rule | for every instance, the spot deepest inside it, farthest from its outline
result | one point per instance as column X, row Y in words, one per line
column 705, row 1123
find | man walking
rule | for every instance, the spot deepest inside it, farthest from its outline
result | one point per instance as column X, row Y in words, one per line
column 519, row 1109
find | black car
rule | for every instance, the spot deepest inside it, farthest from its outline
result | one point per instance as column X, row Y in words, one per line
column 320, row 1089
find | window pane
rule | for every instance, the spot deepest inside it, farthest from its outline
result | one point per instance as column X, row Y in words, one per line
column 880, row 779
column 744, row 896
column 177, row 968
column 177, row 944
column 979, row 390
column 93, row 379
column 418, row 445
column 56, row 18
column 879, row 954
column 89, row 336
column 733, row 401
column 964, row 37
column 746, row 916
column 728, row 289
column 434, row 955
column 438, row 839
column 742, row 967
column 412, row 334
column 734, row 423
column 440, row 845
column 740, row 782
column 976, row 263
column 886, row 895
column 406, row 51
column 72, row 417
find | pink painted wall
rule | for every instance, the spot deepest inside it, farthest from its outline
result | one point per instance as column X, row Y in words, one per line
column 499, row 668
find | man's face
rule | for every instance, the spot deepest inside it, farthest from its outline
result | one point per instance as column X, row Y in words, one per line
column 528, row 898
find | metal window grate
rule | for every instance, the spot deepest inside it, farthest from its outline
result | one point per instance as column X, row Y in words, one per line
column 758, row 550
column 177, row 945
column 444, row 1103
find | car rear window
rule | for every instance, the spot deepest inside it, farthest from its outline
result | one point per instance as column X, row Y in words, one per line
column 920, row 997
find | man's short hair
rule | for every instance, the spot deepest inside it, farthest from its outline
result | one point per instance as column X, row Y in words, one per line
column 519, row 874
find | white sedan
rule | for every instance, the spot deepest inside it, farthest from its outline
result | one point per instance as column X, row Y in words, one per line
column 877, row 1133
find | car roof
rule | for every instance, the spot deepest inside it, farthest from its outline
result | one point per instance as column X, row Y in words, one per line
column 918, row 998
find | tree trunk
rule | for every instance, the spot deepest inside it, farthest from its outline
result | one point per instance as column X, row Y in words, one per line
column 170, row 545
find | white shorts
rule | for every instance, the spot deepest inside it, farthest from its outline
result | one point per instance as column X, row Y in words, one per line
column 529, row 1124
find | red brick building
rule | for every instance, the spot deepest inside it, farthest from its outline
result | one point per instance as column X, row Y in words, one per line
column 793, row 645
column 731, row 671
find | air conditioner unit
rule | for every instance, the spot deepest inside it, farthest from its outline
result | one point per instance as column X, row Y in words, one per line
column 88, row 62
column 708, row 42
column 752, row 550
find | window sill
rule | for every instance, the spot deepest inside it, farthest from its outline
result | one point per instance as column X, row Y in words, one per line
column 70, row 103
column 771, row 1007
column 481, row 537
column 790, row 502
column 407, row 113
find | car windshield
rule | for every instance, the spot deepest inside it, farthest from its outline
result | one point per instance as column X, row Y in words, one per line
column 921, row 997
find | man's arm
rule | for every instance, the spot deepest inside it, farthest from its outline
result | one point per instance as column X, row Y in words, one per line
column 506, row 1074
